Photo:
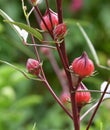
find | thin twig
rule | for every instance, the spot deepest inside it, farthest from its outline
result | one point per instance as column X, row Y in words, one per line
column 39, row 45
column 57, row 99
column 88, row 111
column 100, row 101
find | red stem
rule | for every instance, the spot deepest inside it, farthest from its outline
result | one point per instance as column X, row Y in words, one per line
column 62, row 53
column 63, row 56
column 56, row 98
column 100, row 101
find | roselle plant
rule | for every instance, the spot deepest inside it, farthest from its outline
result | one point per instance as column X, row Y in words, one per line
column 51, row 34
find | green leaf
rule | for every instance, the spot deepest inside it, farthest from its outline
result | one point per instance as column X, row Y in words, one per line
column 29, row 29
column 19, row 32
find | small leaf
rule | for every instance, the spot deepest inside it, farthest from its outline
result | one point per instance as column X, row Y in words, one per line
column 27, row 28
column 21, row 33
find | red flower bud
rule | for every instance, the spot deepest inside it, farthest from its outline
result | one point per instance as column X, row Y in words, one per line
column 82, row 98
column 83, row 66
column 47, row 19
column 65, row 97
column 33, row 66
column 59, row 31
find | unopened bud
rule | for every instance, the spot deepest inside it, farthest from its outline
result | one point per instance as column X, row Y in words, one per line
column 82, row 96
column 33, row 66
column 51, row 20
column 59, row 31
column 83, row 66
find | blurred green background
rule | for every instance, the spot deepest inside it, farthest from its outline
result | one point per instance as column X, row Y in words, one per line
column 25, row 102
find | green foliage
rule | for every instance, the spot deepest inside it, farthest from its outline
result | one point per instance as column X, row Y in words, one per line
column 23, row 102
column 29, row 29
column 15, row 101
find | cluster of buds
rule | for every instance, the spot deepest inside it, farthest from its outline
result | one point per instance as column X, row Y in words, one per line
column 82, row 96
column 50, row 23
column 81, row 67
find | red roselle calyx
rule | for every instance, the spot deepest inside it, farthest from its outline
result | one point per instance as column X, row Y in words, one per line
column 83, row 66
column 59, row 31
column 51, row 20
column 83, row 96
column 33, row 66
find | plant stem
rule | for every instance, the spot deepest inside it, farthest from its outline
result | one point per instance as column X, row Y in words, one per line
column 56, row 98
column 28, row 22
column 63, row 56
column 62, row 53
column 100, row 101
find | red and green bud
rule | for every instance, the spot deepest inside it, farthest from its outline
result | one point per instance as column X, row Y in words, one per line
column 82, row 96
column 59, row 31
column 83, row 66
column 51, row 20
column 33, row 66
